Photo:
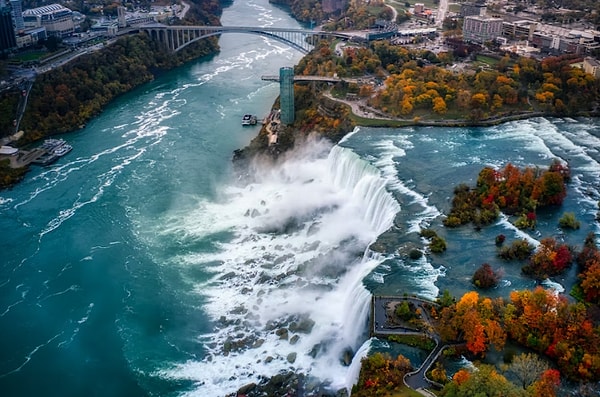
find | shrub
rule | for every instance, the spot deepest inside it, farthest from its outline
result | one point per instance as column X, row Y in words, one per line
column 428, row 233
column 500, row 239
column 526, row 221
column 519, row 249
column 550, row 259
column 568, row 221
column 415, row 254
column 485, row 277
column 438, row 245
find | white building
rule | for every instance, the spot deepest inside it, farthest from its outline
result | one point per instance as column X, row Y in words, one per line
column 592, row 66
column 479, row 29
column 57, row 20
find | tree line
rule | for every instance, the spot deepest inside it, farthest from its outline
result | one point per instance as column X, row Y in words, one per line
column 420, row 83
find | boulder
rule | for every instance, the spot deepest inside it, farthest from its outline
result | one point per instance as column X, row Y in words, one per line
column 246, row 389
column 291, row 358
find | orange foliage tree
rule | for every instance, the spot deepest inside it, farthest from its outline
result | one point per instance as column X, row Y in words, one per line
column 474, row 320
column 550, row 324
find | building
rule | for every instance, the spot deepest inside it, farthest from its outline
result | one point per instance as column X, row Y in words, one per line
column 468, row 9
column 592, row 66
column 17, row 10
column 479, row 29
column 29, row 37
column 553, row 39
column 106, row 27
column 8, row 39
column 121, row 12
column 519, row 30
column 286, row 95
column 57, row 20
column 419, row 8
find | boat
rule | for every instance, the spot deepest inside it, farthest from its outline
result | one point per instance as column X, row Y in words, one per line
column 62, row 150
column 46, row 159
column 50, row 144
column 249, row 119
column 8, row 150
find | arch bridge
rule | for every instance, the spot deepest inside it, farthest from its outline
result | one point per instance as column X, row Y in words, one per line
column 174, row 38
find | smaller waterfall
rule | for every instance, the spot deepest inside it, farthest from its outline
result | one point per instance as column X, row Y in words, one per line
column 351, row 173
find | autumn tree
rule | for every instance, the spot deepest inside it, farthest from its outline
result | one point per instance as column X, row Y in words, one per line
column 549, row 324
column 484, row 381
column 474, row 320
column 379, row 373
column 547, row 385
column 526, row 368
column 486, row 277
column 589, row 265
column 549, row 259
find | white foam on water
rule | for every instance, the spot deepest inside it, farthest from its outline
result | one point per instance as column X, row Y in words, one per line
column 298, row 255
column 354, row 370
column 349, row 135
column 553, row 286
column 423, row 277
column 518, row 233
column 388, row 150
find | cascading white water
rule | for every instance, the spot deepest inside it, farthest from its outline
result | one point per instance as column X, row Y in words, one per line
column 287, row 291
column 350, row 173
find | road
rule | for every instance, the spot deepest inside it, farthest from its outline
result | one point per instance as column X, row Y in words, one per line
column 441, row 13
column 395, row 13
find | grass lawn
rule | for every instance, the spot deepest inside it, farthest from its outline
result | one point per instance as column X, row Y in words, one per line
column 405, row 392
column 31, row 56
column 453, row 7
column 487, row 60
column 379, row 123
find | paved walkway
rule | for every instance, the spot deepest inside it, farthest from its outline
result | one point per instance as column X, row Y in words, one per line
column 381, row 307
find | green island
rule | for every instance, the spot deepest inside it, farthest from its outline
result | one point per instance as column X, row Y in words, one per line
column 394, row 86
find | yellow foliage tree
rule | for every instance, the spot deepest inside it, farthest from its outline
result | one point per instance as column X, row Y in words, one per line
column 439, row 105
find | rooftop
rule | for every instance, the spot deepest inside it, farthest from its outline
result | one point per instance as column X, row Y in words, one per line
column 49, row 9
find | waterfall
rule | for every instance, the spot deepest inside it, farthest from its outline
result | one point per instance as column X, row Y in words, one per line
column 354, row 370
column 349, row 172
column 287, row 291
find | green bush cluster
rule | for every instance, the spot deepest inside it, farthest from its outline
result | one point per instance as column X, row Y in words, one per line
column 568, row 221
column 436, row 243
column 519, row 250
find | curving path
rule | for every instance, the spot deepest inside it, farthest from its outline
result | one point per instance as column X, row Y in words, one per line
column 417, row 379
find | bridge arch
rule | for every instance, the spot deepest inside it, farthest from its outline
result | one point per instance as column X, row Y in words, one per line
column 292, row 44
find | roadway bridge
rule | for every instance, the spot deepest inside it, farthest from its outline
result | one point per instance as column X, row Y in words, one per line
column 174, row 38
column 326, row 79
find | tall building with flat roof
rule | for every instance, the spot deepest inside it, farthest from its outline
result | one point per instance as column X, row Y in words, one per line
column 17, row 10
column 479, row 29
column 467, row 9
column 8, row 38
column 286, row 95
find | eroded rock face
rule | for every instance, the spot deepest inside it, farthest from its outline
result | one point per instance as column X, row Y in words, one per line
column 288, row 384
